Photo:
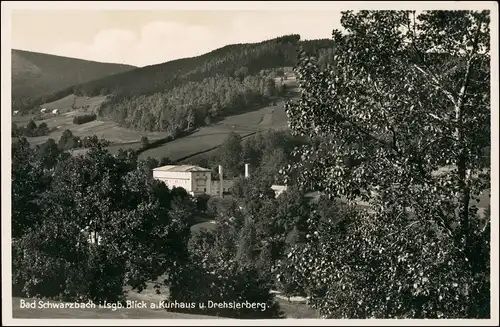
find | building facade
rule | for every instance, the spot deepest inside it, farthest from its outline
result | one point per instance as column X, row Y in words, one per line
column 196, row 180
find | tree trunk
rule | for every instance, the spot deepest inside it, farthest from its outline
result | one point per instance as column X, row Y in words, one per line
column 464, row 201
column 462, row 166
column 462, row 160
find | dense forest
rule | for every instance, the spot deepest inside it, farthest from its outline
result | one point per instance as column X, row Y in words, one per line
column 186, row 93
column 192, row 104
column 231, row 60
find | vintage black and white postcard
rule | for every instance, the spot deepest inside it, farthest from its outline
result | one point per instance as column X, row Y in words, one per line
column 215, row 163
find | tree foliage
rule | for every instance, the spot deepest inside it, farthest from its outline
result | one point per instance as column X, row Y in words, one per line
column 86, row 226
column 82, row 119
column 216, row 273
column 406, row 102
column 30, row 130
column 28, row 183
column 229, row 156
column 247, row 244
column 68, row 141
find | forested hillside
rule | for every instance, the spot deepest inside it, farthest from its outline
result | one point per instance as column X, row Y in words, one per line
column 191, row 104
column 237, row 60
column 186, row 93
column 37, row 74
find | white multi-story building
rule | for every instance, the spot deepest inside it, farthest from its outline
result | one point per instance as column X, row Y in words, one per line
column 195, row 180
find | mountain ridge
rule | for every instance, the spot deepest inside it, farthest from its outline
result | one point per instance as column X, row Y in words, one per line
column 75, row 58
column 36, row 74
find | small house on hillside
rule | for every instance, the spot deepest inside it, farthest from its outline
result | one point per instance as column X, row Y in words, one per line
column 15, row 112
column 278, row 189
column 55, row 111
column 44, row 110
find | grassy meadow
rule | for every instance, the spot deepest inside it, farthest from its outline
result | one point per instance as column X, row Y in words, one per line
column 203, row 140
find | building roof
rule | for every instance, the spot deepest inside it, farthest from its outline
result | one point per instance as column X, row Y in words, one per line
column 181, row 168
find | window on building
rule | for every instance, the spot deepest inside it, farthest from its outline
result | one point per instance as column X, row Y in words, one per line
column 205, row 189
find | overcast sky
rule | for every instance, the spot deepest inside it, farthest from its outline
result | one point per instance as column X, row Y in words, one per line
column 142, row 38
